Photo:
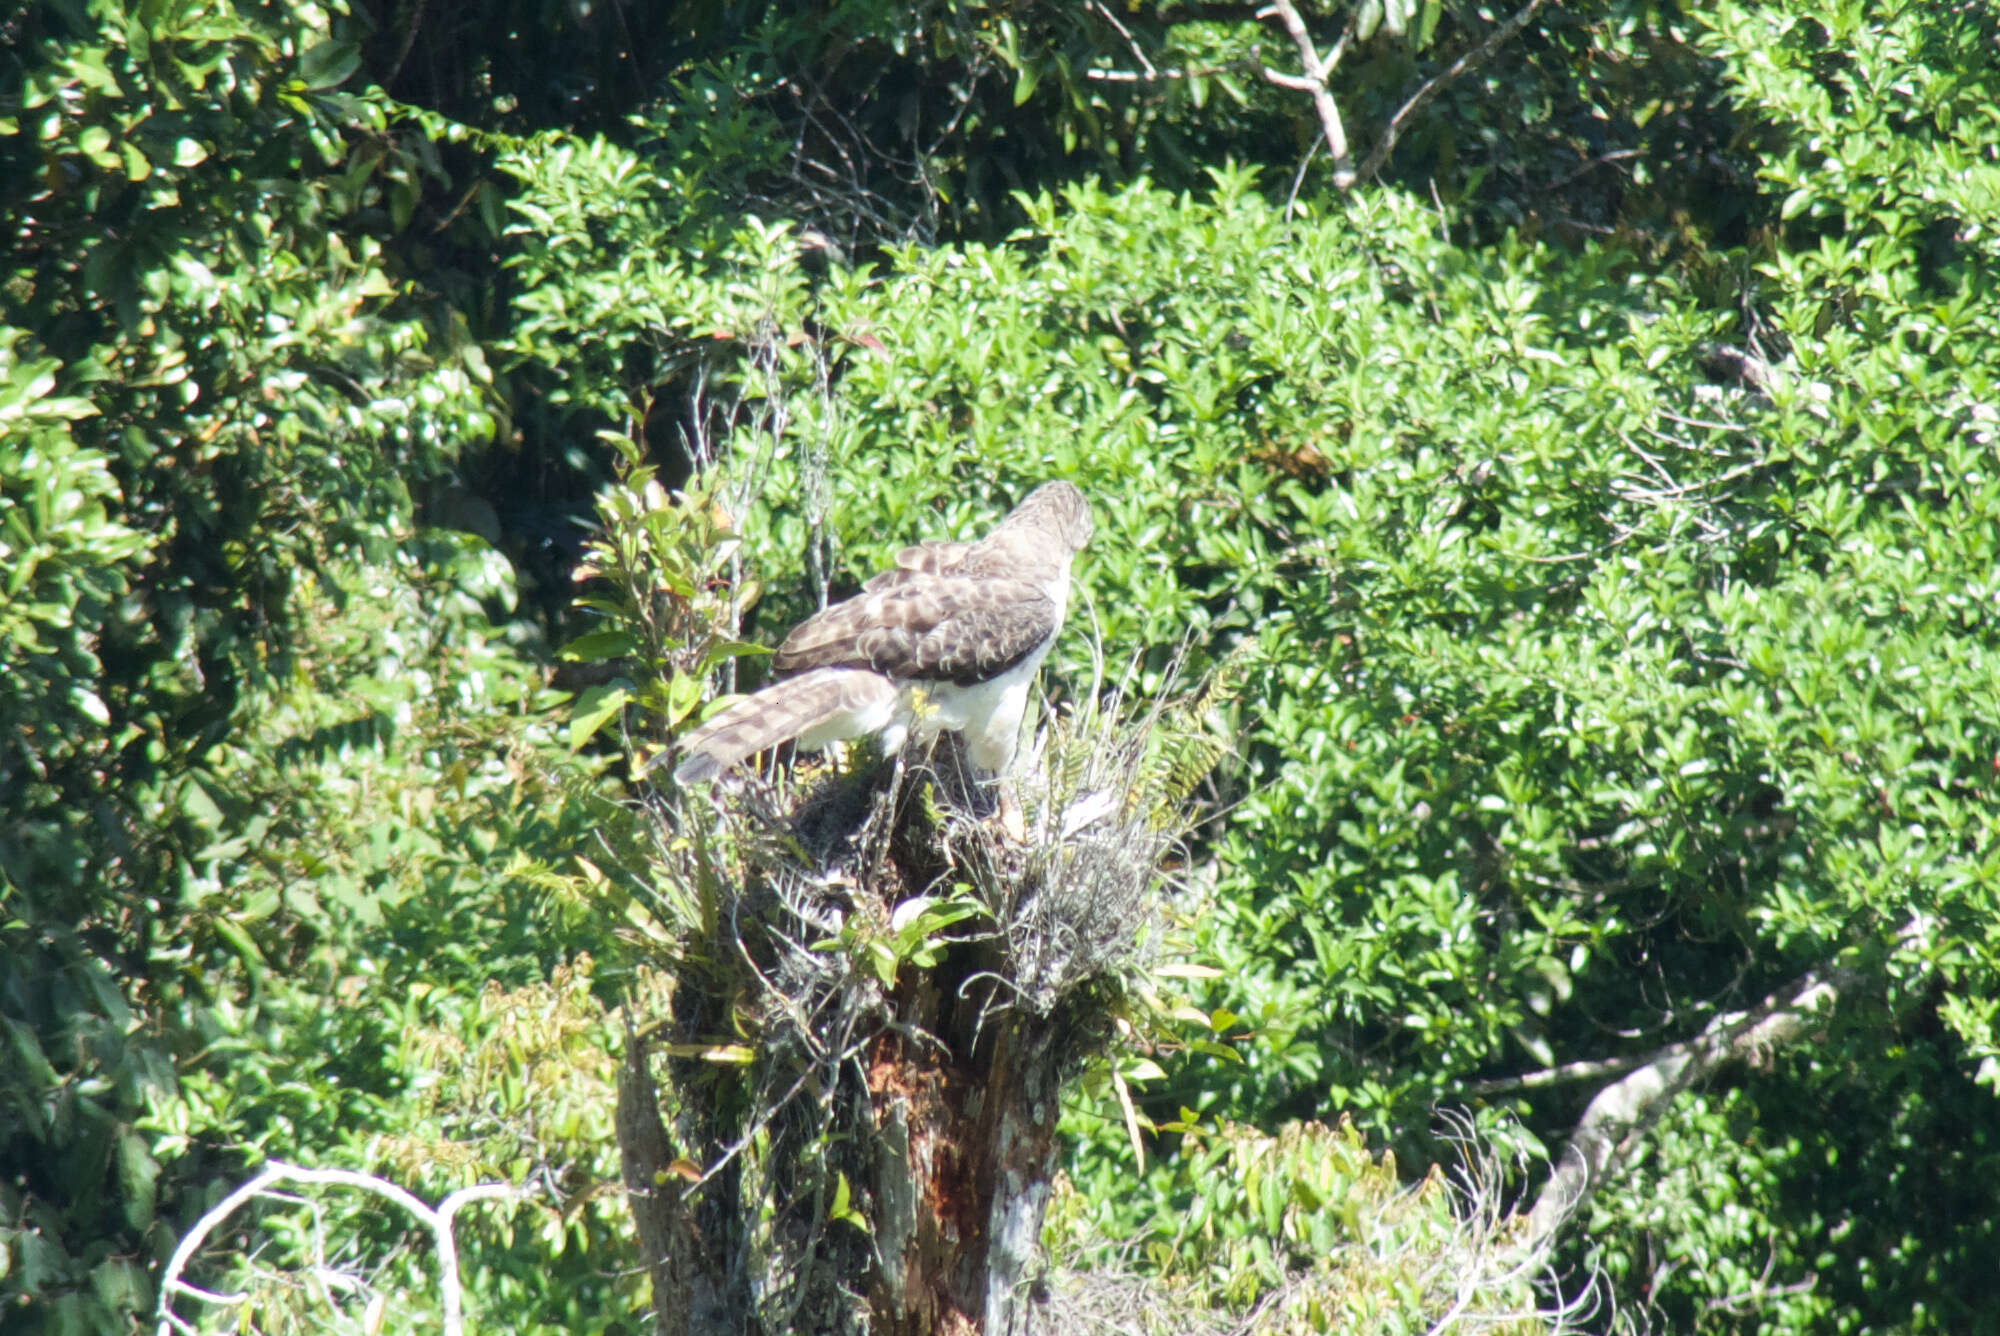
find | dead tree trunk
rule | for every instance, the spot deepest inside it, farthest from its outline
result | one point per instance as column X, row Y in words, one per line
column 967, row 1151
column 852, row 1127
column 690, row 1239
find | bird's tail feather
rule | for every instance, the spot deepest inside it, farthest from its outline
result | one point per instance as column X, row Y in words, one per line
column 779, row 713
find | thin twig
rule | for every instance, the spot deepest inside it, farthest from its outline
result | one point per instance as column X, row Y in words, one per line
column 416, row 19
column 1150, row 75
column 1299, row 179
column 1126, row 33
column 1601, row 160
column 1430, row 88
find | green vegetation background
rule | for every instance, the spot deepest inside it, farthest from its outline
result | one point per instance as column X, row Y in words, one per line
column 1595, row 680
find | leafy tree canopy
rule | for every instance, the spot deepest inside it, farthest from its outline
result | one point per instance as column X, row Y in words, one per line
column 1595, row 502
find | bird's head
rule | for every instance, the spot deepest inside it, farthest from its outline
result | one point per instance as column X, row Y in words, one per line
column 1059, row 508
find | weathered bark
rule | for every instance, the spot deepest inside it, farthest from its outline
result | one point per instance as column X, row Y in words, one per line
column 650, row 1188
column 1022, row 1167
column 968, row 1153
column 689, row 1265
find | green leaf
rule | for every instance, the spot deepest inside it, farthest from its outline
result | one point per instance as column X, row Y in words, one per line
column 138, row 1172
column 596, row 646
column 1427, row 22
column 719, row 651
column 328, row 64
column 1367, row 19
column 681, row 697
column 28, row 1051
column 1026, row 77
column 95, row 143
column 843, row 1207
column 594, row 708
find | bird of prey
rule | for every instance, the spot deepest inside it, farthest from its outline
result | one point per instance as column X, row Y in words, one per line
column 949, row 639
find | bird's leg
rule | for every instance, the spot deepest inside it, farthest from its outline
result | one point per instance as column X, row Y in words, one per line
column 1012, row 820
column 896, row 778
column 998, row 788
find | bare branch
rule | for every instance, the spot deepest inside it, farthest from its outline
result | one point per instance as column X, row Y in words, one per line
column 439, row 1222
column 1152, row 75
column 1624, row 1111
column 1126, row 33
column 1590, row 1069
column 1314, row 82
column 1601, row 160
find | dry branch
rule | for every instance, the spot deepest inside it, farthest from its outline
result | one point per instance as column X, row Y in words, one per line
column 1313, row 81
column 1319, row 69
column 1625, row 1110
column 1589, row 1069
column 438, row 1220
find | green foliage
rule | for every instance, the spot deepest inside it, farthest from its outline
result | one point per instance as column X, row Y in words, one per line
column 1555, row 648
column 417, row 1001
column 512, row 1085
column 1582, row 697
column 217, row 399
column 262, row 398
column 1310, row 1233
column 67, row 560
column 914, row 936
column 664, row 606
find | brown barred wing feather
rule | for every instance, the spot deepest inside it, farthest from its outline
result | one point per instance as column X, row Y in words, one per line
column 930, row 557
column 785, row 710
column 930, row 629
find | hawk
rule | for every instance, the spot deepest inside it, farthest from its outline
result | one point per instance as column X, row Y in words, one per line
column 949, row 639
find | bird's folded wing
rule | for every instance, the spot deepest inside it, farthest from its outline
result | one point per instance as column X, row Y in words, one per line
column 929, row 557
column 928, row 628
